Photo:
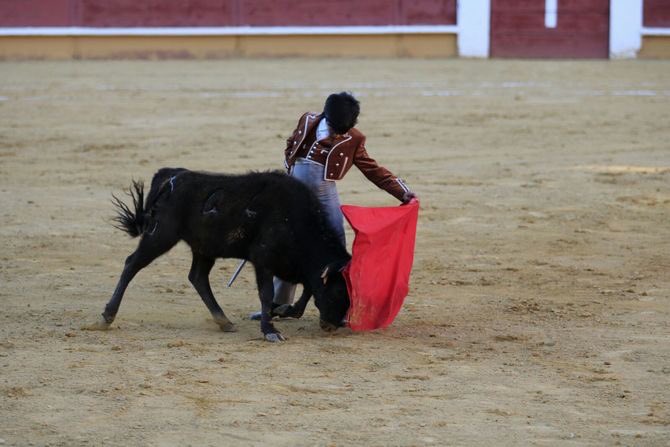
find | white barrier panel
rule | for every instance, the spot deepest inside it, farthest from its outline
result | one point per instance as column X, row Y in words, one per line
column 625, row 28
column 474, row 24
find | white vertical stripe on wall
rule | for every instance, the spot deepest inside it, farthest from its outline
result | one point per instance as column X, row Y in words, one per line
column 550, row 13
column 474, row 24
column 625, row 28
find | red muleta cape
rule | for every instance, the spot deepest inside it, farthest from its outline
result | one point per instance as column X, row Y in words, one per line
column 378, row 275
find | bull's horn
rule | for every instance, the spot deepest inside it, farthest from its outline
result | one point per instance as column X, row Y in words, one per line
column 324, row 275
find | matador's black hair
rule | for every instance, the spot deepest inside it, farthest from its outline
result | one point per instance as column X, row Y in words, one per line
column 341, row 111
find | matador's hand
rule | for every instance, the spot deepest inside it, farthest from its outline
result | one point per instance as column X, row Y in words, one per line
column 408, row 196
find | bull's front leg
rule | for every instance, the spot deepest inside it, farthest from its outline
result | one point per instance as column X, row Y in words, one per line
column 298, row 308
column 266, row 294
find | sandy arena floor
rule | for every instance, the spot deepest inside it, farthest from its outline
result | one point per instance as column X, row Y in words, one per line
column 539, row 311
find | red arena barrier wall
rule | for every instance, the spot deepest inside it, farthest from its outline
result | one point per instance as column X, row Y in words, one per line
column 161, row 13
column 518, row 29
column 161, row 29
column 657, row 13
column 166, row 29
column 36, row 13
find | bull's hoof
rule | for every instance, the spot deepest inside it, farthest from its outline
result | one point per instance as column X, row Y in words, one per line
column 100, row 325
column 227, row 327
column 326, row 326
column 274, row 337
column 224, row 323
column 284, row 311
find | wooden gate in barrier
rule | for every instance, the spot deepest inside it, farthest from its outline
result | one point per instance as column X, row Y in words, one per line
column 550, row 28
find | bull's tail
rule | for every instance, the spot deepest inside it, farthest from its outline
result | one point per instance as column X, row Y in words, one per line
column 132, row 222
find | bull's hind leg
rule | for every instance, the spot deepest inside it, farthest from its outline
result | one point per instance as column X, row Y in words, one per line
column 266, row 293
column 199, row 277
column 149, row 248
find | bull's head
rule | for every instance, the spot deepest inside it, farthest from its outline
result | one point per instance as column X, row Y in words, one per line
column 333, row 299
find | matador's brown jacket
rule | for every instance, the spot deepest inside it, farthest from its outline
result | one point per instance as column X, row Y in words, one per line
column 338, row 153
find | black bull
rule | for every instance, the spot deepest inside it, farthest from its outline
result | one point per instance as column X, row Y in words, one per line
column 269, row 219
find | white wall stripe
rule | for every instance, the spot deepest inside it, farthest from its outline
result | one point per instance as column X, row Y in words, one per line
column 550, row 13
column 646, row 31
column 230, row 31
